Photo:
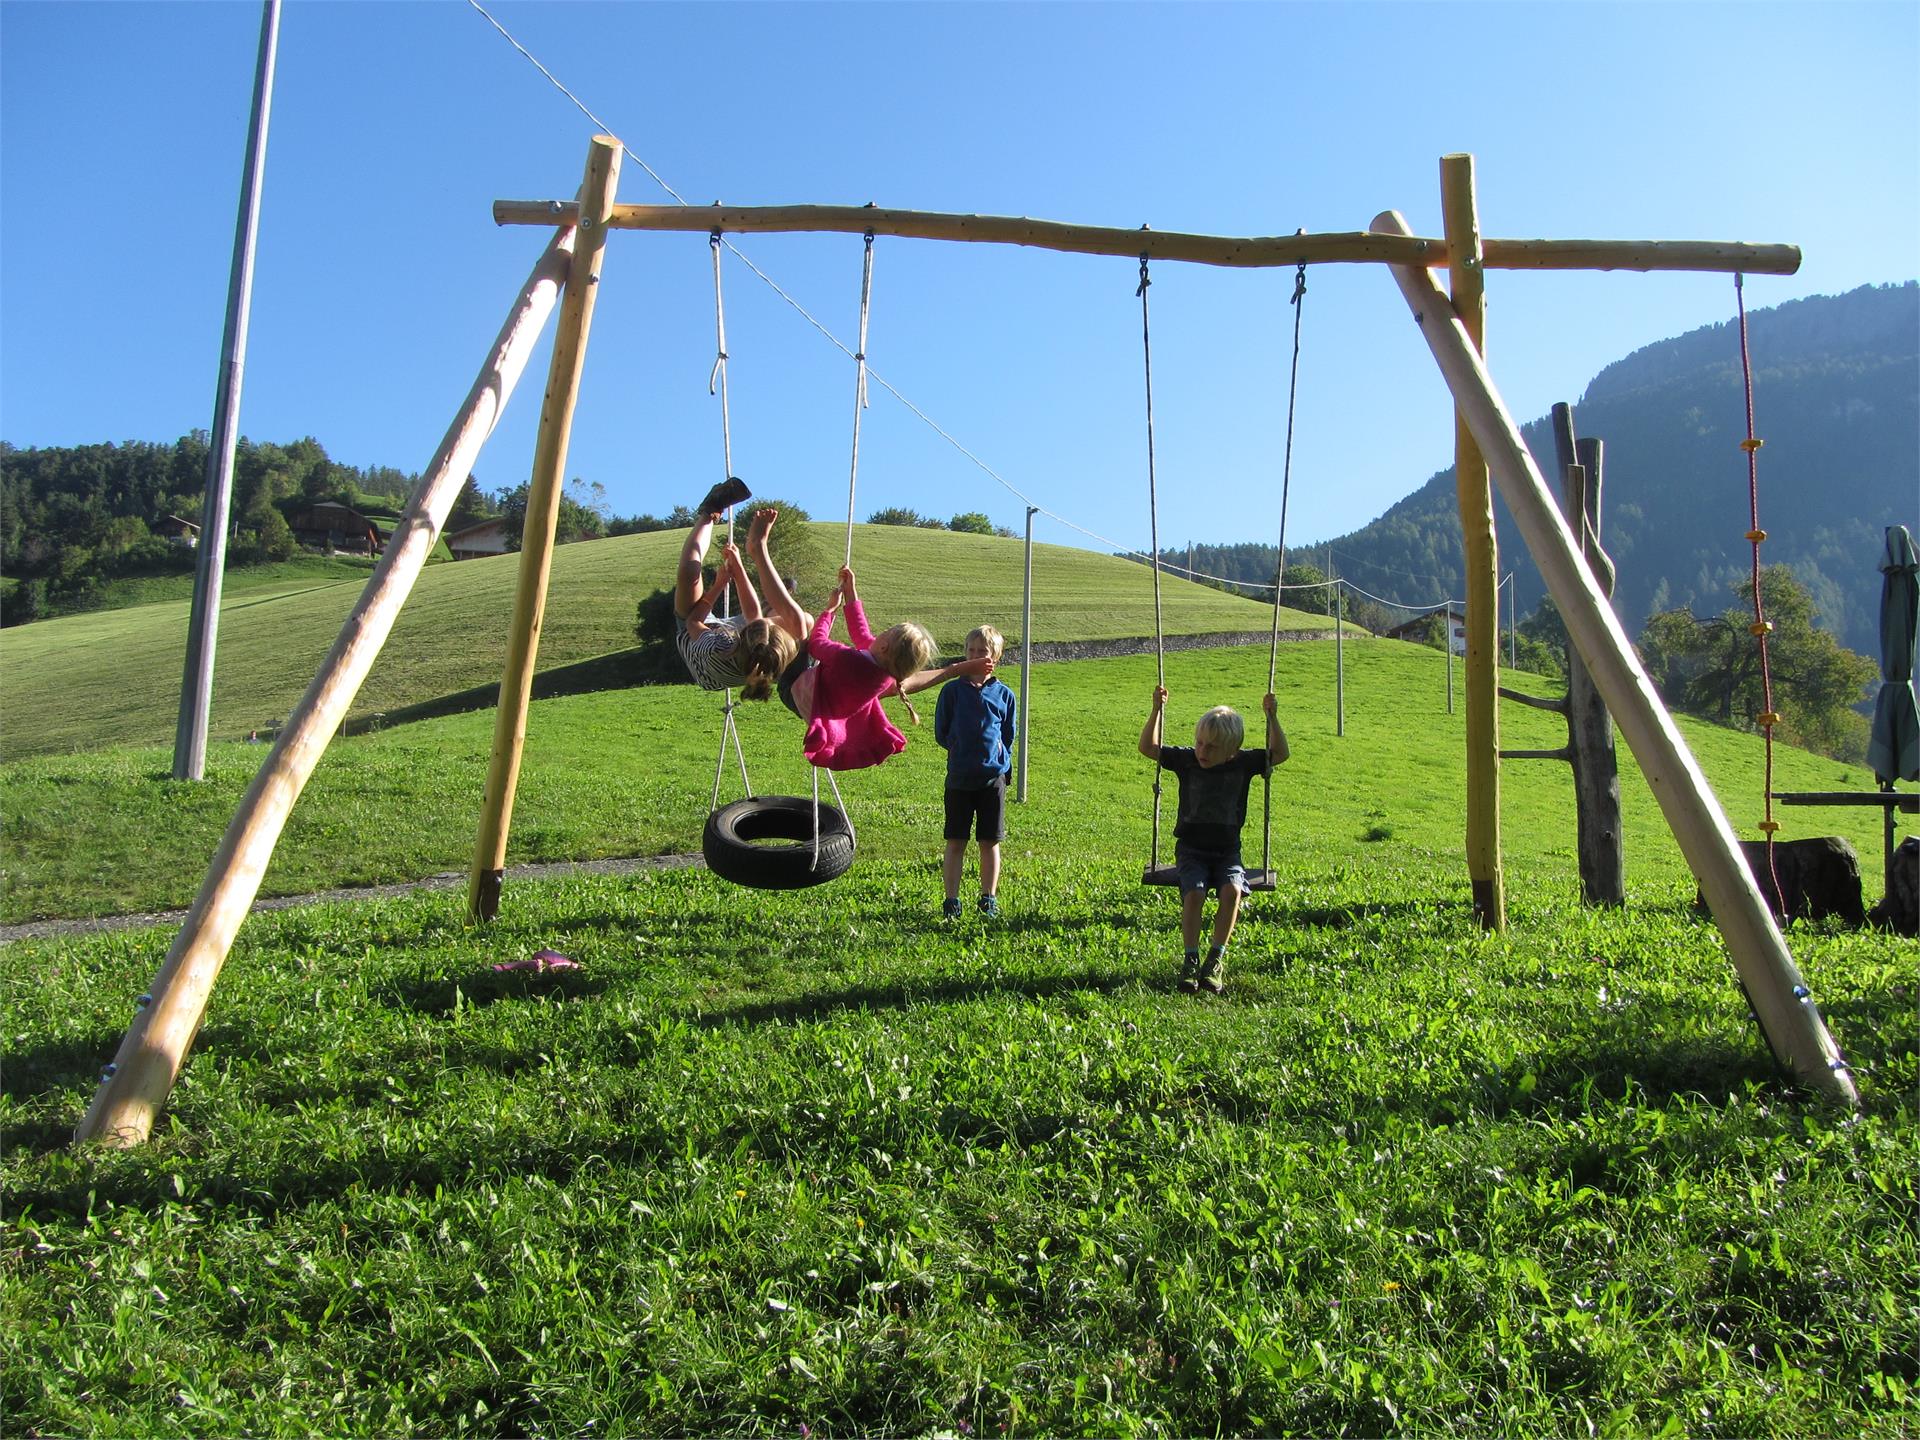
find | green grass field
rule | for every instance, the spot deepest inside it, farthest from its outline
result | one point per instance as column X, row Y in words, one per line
column 821, row 1164
column 113, row 677
column 630, row 773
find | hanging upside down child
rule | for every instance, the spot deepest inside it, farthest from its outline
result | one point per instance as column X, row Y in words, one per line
column 1214, row 776
column 750, row 649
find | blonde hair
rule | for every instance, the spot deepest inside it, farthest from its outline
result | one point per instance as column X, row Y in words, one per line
column 995, row 642
column 767, row 651
column 1222, row 723
column 904, row 650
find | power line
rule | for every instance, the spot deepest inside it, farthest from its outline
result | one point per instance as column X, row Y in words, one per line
column 891, row 389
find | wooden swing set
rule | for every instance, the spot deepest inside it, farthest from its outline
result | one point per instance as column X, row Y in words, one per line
column 1488, row 445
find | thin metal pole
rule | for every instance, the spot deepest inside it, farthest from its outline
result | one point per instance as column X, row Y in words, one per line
column 1339, row 660
column 203, row 624
column 1449, row 649
column 1026, row 659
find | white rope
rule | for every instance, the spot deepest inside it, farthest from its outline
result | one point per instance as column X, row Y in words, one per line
column 859, row 387
column 728, row 728
column 838, row 804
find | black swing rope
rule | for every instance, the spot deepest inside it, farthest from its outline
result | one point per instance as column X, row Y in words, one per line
column 1153, row 529
column 1280, row 575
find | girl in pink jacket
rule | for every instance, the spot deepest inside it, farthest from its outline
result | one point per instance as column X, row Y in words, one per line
column 837, row 688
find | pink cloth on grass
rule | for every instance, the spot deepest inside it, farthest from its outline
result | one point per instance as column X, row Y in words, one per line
column 542, row 960
column 848, row 729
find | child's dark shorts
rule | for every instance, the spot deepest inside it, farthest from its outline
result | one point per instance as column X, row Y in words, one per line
column 801, row 663
column 983, row 810
column 1205, row 870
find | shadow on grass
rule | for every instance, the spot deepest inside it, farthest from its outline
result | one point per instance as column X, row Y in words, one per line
column 1347, row 917
column 932, row 992
column 481, row 988
column 56, row 1066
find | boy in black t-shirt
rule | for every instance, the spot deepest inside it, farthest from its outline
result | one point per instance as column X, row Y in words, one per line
column 1214, row 776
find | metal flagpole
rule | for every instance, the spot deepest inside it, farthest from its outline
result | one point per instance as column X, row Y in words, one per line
column 203, row 625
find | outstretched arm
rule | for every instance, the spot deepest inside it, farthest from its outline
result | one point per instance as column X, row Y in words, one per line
column 923, row 679
column 1150, row 732
column 1277, row 750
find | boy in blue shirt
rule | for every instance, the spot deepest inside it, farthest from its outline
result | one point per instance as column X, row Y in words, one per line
column 1214, row 775
column 973, row 723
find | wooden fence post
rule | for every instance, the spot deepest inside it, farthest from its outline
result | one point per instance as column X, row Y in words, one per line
column 1596, row 769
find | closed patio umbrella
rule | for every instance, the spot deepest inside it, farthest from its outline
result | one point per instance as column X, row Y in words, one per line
column 1893, row 750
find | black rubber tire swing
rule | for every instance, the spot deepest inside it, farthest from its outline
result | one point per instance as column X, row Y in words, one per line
column 735, row 848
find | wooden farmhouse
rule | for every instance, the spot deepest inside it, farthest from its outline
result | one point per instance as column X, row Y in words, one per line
column 334, row 528
column 484, row 537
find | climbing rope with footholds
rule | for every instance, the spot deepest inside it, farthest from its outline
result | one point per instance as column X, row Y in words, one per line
column 1761, row 627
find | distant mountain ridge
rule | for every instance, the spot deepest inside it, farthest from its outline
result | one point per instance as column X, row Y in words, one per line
column 1837, row 401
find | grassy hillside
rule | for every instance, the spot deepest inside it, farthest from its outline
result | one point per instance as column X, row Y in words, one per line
column 113, row 678
column 630, row 773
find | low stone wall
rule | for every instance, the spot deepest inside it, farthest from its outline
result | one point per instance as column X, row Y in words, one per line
column 1143, row 645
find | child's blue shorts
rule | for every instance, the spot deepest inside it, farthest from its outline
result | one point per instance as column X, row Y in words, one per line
column 1205, row 870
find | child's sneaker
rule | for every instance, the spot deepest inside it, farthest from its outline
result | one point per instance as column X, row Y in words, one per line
column 989, row 906
column 1190, row 975
column 1213, row 975
column 730, row 491
column 950, row 909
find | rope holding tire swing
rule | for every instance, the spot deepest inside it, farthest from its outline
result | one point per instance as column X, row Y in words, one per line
column 820, row 837
column 717, row 384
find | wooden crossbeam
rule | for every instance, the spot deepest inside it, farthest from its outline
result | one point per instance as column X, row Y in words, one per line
column 1344, row 247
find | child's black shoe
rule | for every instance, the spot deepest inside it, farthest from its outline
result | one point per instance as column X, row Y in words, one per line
column 950, row 909
column 1190, row 976
column 1213, row 975
column 989, row 906
column 730, row 491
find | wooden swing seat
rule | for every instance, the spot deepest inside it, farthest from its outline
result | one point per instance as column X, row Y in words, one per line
column 1168, row 875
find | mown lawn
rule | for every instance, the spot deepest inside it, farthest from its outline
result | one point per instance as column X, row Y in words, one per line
column 821, row 1164
column 820, row 1161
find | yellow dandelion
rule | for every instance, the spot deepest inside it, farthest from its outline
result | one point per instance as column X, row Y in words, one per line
column 1390, row 1285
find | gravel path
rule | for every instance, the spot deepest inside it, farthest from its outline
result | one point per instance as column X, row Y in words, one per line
column 448, row 880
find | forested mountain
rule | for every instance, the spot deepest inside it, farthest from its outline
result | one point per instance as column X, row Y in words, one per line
column 1837, row 401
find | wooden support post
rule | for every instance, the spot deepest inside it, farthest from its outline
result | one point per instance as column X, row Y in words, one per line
column 1596, row 769
column 135, row 1085
column 1773, row 983
column 536, row 536
column 1482, row 561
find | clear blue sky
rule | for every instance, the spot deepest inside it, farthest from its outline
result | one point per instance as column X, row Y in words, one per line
column 381, row 277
